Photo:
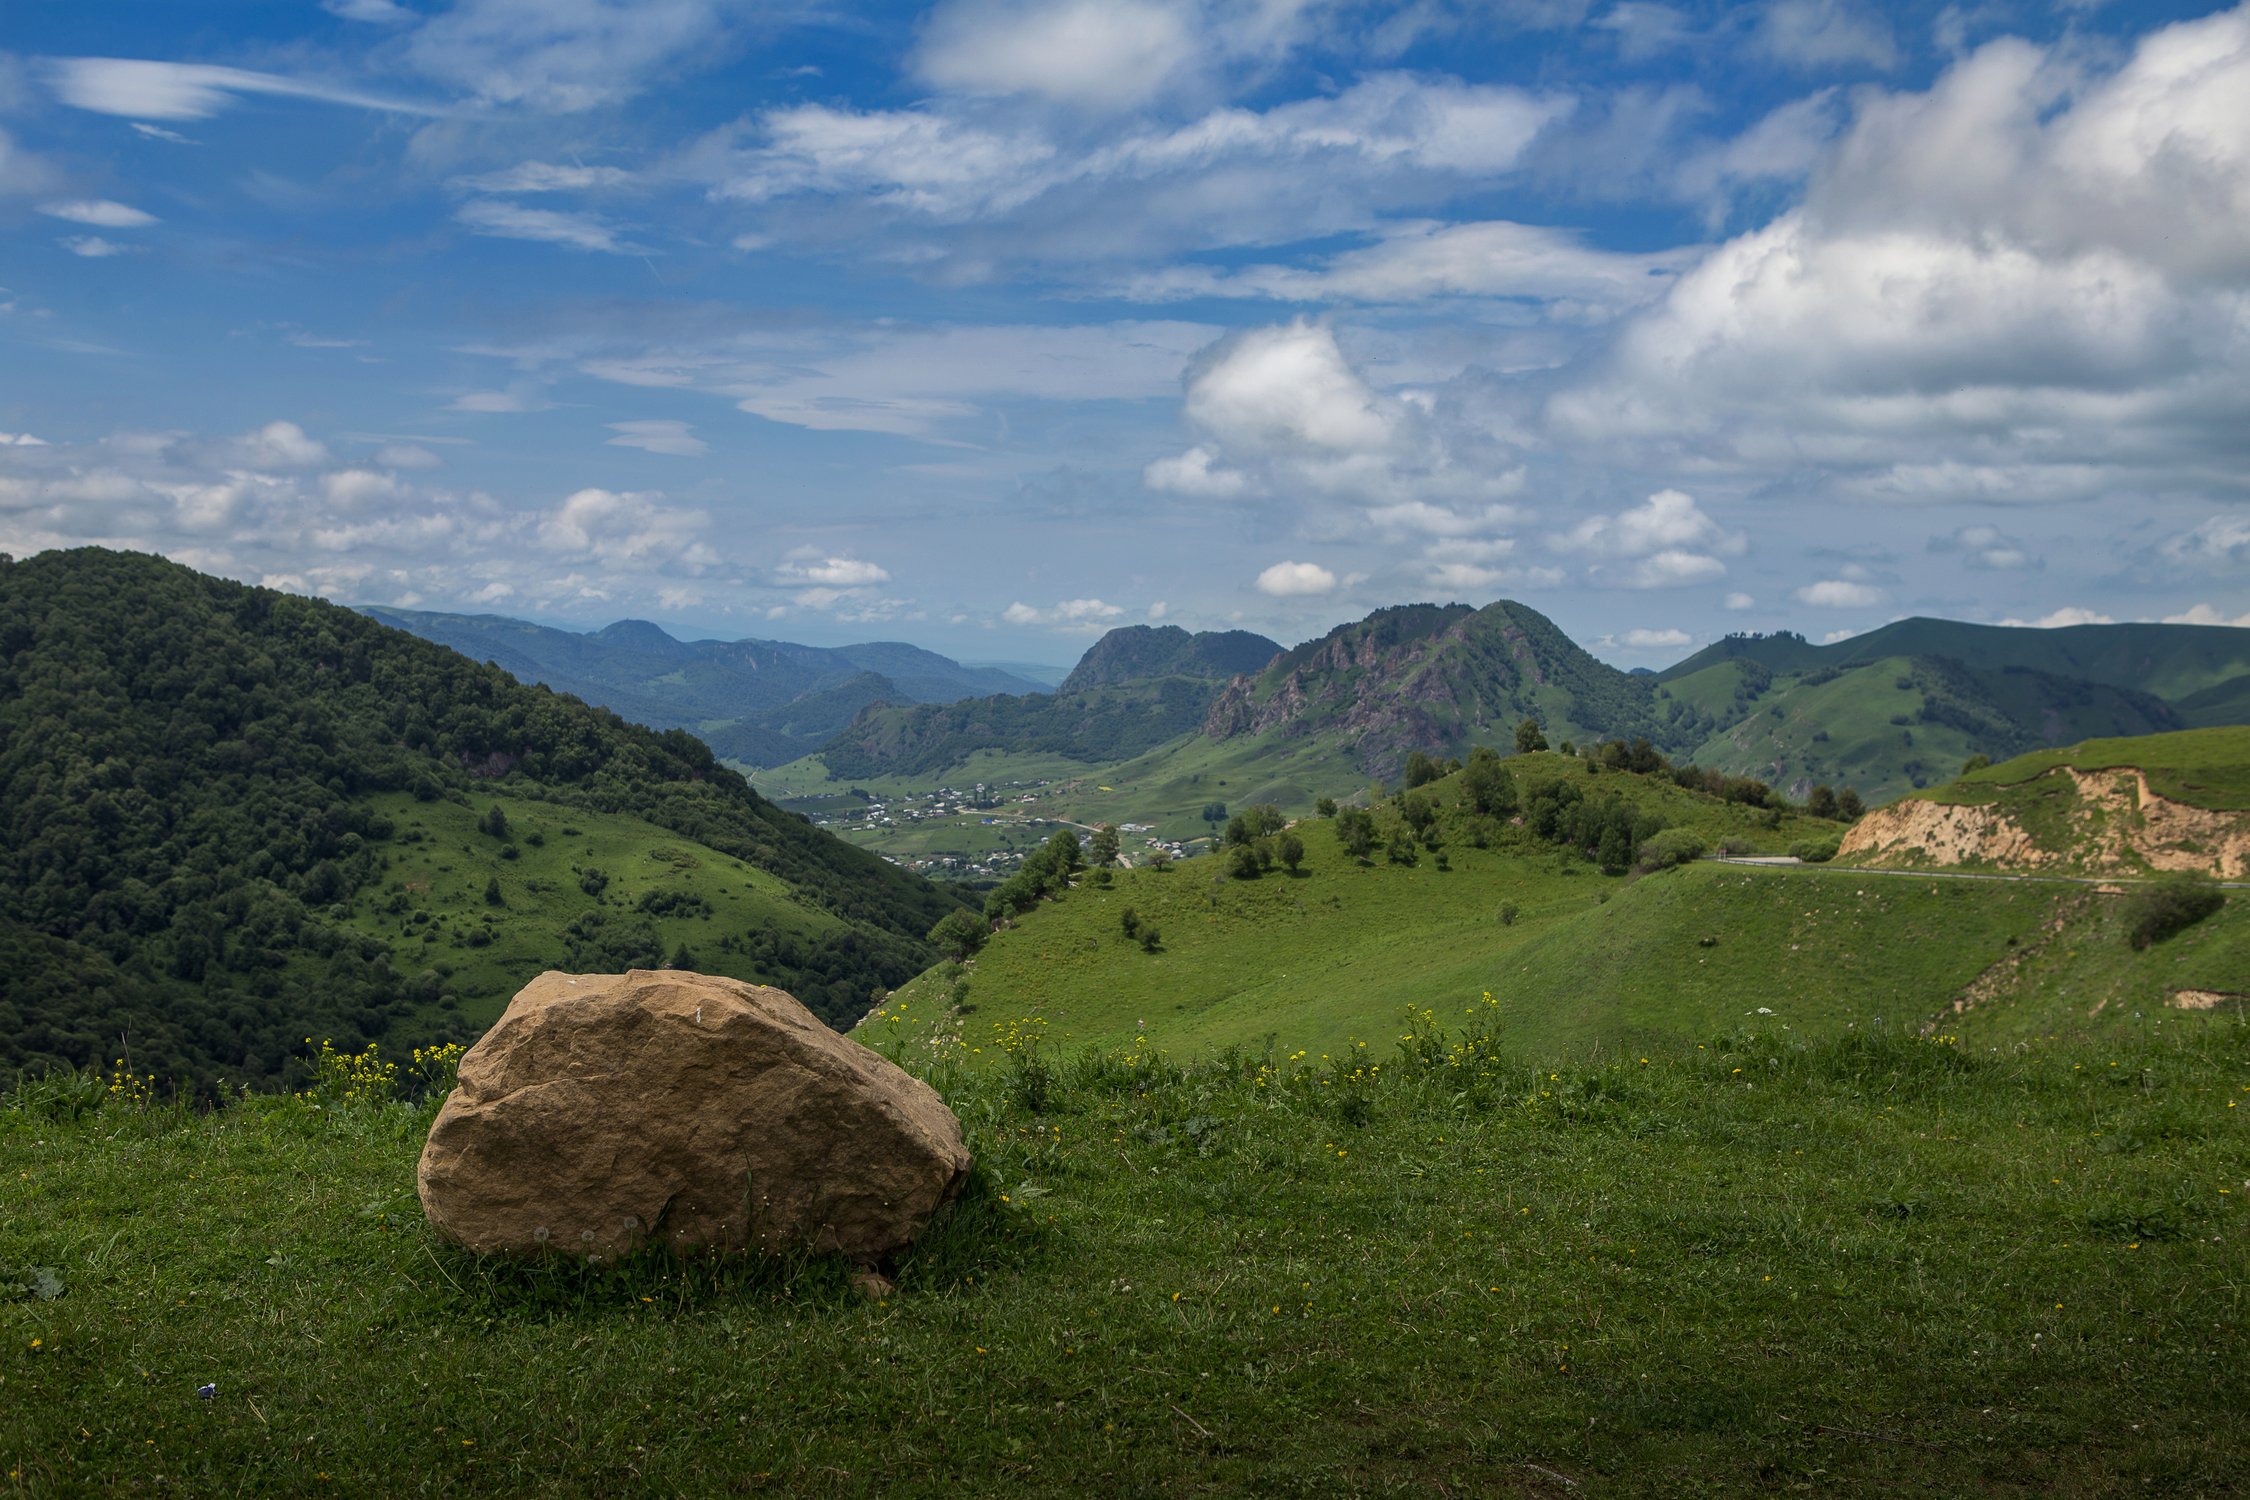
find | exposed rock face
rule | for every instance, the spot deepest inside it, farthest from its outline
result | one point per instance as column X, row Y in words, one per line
column 2116, row 822
column 605, row 1111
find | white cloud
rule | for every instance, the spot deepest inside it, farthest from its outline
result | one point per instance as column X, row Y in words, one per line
column 565, row 56
column 1158, row 610
column 23, row 173
column 1281, row 411
column 1074, row 615
column 491, row 216
column 2205, row 614
column 2069, row 614
column 1668, row 539
column 99, row 212
column 1290, row 579
column 2223, row 540
column 1985, row 549
column 1651, row 640
column 1840, row 593
column 1421, row 261
column 406, row 456
column 1824, row 33
column 1190, row 473
column 138, row 89
column 1096, row 53
column 1739, row 601
column 808, row 566
column 607, row 526
column 159, row 133
column 93, row 246
column 2021, row 285
column 280, row 445
column 493, row 401
column 377, row 12
column 21, row 440
column 676, row 438
column 543, row 177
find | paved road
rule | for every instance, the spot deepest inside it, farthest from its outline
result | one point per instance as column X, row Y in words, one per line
column 1790, row 862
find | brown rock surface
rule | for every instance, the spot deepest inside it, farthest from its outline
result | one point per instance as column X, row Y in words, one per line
column 605, row 1111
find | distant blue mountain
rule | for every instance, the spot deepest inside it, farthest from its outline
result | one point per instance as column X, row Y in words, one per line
column 757, row 702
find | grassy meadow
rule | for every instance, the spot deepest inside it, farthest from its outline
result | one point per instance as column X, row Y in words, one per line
column 1873, row 1264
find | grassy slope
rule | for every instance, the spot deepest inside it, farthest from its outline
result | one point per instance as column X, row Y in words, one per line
column 441, row 879
column 2201, row 767
column 1589, row 965
column 1874, row 1267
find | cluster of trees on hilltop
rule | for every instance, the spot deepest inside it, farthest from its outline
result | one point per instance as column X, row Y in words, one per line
column 183, row 768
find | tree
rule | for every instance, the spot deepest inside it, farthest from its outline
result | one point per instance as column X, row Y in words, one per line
column 1355, row 830
column 1292, row 851
column 959, row 934
column 1065, row 856
column 1214, row 812
column 1243, row 863
column 494, row 822
column 1975, row 763
column 1130, row 920
column 1848, row 806
column 1487, row 785
column 1418, row 811
column 492, row 896
column 1151, row 939
column 1421, row 770
column 1324, row 808
column 1822, row 802
column 1529, row 738
column 1102, row 850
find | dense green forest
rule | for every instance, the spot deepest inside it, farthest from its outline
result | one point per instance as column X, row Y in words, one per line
column 188, row 776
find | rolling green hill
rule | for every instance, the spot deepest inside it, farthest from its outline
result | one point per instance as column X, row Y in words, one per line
column 1577, row 963
column 1890, row 725
column 222, row 803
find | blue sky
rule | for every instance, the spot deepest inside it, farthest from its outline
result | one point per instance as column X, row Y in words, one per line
column 996, row 323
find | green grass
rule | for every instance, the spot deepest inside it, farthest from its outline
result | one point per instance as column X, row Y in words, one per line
column 1330, row 956
column 2200, row 767
column 429, row 903
column 1869, row 1266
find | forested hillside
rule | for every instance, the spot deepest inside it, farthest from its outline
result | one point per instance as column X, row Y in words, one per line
column 194, row 777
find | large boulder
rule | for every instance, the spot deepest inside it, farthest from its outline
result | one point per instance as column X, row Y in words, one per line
column 606, row 1111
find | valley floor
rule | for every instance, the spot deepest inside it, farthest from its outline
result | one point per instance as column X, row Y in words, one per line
column 1875, row 1264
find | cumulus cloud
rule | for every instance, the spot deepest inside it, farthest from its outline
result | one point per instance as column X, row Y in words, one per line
column 1280, row 410
column 1096, row 53
column 2205, row 614
column 2021, row 285
column 2069, row 614
column 271, row 505
column 1652, row 640
column 1071, row 615
column 808, row 566
column 610, row 526
column 657, row 436
column 1841, row 593
column 1825, row 34
column 1664, row 542
column 1290, row 579
column 1738, row 601
column 2223, row 540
